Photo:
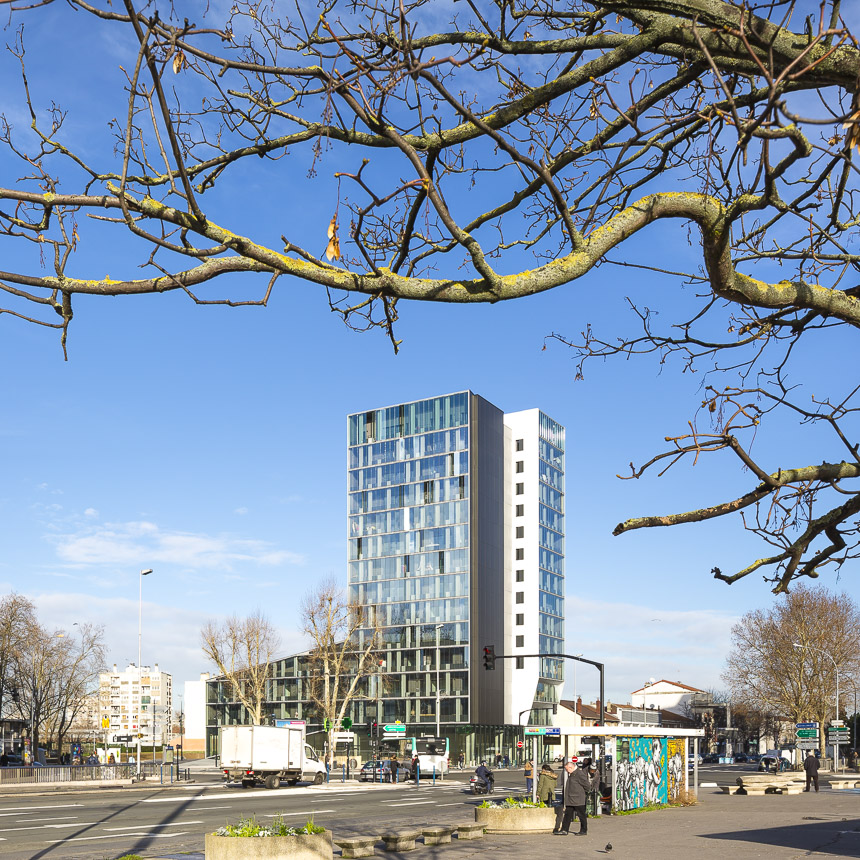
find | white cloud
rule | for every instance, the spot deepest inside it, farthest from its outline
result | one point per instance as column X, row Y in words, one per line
column 91, row 513
column 240, row 511
column 136, row 543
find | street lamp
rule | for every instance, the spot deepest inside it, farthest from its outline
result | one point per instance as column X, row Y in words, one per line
column 836, row 668
column 438, row 658
column 143, row 573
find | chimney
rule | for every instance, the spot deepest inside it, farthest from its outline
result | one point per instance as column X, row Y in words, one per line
column 579, row 704
column 597, row 705
column 204, row 676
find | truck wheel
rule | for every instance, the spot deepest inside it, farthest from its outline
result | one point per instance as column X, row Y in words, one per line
column 246, row 783
column 273, row 782
column 318, row 779
column 292, row 781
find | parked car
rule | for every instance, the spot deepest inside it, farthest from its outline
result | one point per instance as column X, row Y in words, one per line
column 754, row 757
column 771, row 762
column 711, row 758
column 741, row 758
column 382, row 770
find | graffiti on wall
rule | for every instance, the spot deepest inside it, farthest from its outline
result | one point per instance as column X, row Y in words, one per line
column 642, row 771
column 676, row 753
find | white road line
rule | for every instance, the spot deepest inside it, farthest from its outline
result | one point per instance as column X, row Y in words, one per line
column 277, row 792
column 58, row 818
column 49, row 826
column 10, row 809
column 412, row 803
column 305, row 812
column 199, row 808
column 452, row 804
column 707, row 785
column 137, row 826
column 117, row 836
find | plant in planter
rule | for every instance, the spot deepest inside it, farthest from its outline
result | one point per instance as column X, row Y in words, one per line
column 515, row 815
column 251, row 839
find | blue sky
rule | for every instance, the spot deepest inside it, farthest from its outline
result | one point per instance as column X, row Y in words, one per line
column 209, row 443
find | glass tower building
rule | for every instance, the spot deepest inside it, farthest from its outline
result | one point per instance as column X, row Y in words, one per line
column 455, row 541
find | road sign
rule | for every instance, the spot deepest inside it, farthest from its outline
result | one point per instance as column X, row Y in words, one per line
column 535, row 730
column 807, row 733
column 343, row 737
column 120, row 739
column 834, row 723
column 395, row 727
column 105, row 722
column 392, row 736
column 554, row 733
column 519, row 745
column 282, row 723
column 806, row 725
column 807, row 744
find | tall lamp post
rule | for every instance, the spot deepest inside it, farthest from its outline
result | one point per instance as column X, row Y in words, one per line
column 836, row 668
column 438, row 659
column 143, row 573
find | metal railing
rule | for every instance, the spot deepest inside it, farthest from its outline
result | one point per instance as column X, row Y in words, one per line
column 65, row 773
column 164, row 773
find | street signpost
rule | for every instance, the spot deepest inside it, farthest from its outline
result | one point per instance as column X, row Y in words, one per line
column 343, row 737
column 391, row 728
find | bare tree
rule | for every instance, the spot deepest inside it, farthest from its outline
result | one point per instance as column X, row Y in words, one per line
column 78, row 660
column 17, row 618
column 343, row 653
column 765, row 670
column 243, row 649
column 484, row 152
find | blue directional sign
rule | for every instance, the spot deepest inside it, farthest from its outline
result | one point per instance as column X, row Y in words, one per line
column 807, row 725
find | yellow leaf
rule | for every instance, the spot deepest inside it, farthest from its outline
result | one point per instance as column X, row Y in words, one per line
column 179, row 62
column 332, row 250
column 332, row 227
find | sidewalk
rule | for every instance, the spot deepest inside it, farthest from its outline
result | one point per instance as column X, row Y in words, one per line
column 773, row 827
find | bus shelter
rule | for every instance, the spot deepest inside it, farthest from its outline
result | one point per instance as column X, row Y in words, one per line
column 646, row 765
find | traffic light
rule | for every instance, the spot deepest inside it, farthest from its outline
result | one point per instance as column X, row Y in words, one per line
column 489, row 657
column 373, row 729
column 326, row 723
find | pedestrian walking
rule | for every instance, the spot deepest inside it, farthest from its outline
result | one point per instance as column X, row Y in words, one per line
column 546, row 785
column 414, row 769
column 577, row 786
column 529, row 773
column 395, row 766
column 810, row 765
column 498, row 760
column 461, row 760
column 507, row 761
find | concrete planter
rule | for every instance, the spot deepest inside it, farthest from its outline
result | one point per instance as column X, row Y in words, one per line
column 498, row 819
column 305, row 846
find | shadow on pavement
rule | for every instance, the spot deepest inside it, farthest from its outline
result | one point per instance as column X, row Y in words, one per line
column 838, row 837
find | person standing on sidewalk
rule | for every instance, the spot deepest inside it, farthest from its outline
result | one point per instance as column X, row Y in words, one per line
column 577, row 786
column 810, row 765
column 546, row 785
column 529, row 774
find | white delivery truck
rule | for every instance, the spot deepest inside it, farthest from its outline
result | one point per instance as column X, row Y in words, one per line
column 268, row 754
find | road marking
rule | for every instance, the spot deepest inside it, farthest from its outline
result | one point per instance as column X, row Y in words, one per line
column 28, row 808
column 707, row 785
column 48, row 826
column 305, row 812
column 137, row 826
column 277, row 792
column 58, row 818
column 453, row 804
column 412, row 803
column 199, row 808
column 117, row 836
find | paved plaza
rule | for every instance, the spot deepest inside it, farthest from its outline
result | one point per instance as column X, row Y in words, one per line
column 721, row 827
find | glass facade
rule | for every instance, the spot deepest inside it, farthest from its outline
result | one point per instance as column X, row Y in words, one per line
column 551, row 549
column 408, row 551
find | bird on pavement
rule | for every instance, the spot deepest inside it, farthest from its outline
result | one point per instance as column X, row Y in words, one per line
column 608, row 847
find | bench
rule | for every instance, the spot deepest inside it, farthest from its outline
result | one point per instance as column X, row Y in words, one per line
column 437, row 835
column 403, row 840
column 766, row 783
column 842, row 784
column 471, row 830
column 357, row 846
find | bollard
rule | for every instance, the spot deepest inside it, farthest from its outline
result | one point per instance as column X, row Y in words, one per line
column 417, row 775
column 327, row 773
column 434, row 775
column 342, row 773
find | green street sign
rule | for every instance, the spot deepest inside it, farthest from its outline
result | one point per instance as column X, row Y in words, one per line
column 807, row 733
column 395, row 727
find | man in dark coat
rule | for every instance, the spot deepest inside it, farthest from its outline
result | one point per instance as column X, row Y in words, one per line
column 810, row 765
column 577, row 786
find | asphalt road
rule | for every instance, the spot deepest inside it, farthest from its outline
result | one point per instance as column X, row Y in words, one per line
column 156, row 821
column 153, row 822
